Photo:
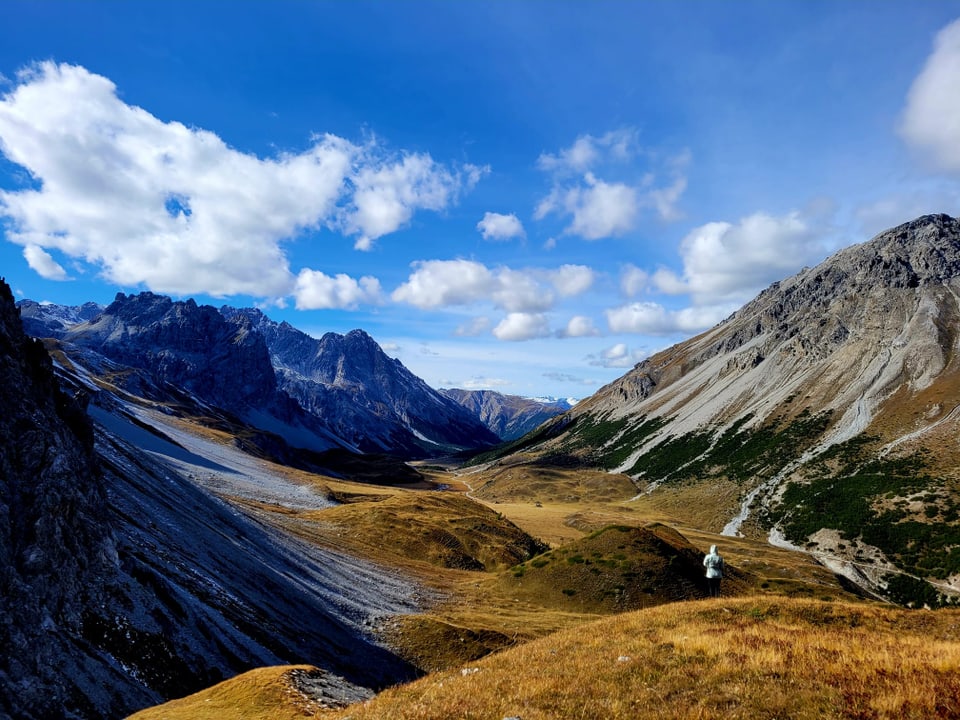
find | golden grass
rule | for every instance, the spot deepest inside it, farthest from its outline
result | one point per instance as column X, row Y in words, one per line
column 261, row 694
column 520, row 482
column 746, row 658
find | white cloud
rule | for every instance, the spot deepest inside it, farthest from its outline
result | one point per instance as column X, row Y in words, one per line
column 618, row 356
column 647, row 318
column 570, row 280
column 387, row 194
column 483, row 383
column 633, row 280
column 447, row 283
column 931, row 119
column 495, row 226
column 725, row 263
column 579, row 326
column 316, row 291
column 519, row 291
column 42, row 263
column 518, row 326
column 176, row 209
column 588, row 150
column 665, row 200
column 597, row 209
column 600, row 208
column 442, row 283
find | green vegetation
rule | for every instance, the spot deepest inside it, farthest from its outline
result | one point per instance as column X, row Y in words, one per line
column 550, row 429
column 739, row 454
column 913, row 592
column 879, row 502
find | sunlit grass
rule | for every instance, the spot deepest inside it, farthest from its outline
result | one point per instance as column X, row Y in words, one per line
column 747, row 658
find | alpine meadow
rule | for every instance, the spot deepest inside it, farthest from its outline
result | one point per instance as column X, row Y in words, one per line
column 480, row 361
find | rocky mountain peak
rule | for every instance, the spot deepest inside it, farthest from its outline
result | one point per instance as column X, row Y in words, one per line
column 844, row 368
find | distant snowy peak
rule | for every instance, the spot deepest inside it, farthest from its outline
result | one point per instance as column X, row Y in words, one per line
column 565, row 403
column 509, row 416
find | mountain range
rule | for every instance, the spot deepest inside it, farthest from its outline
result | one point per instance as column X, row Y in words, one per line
column 509, row 416
column 179, row 500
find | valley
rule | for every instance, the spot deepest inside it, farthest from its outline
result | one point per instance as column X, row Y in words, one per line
column 225, row 517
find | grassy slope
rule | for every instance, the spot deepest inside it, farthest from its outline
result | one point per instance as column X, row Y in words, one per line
column 261, row 693
column 747, row 658
column 481, row 612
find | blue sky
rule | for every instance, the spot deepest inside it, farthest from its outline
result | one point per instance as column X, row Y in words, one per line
column 522, row 196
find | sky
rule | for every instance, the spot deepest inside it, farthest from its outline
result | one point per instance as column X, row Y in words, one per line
column 524, row 196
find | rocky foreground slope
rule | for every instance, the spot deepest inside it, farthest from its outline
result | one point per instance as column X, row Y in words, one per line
column 126, row 581
column 825, row 412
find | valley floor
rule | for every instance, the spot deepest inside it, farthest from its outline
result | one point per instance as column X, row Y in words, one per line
column 468, row 588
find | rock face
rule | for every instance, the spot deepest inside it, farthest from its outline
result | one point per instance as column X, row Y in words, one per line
column 842, row 376
column 338, row 392
column 187, row 345
column 124, row 583
column 509, row 416
column 55, row 547
column 45, row 320
column 365, row 397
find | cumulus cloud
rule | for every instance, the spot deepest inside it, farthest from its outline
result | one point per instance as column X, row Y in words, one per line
column 567, row 377
column 447, row 283
column 588, row 150
column 385, row 195
column 579, row 326
column 316, row 291
column 724, row 262
column 175, row 208
column 473, row 328
column 495, row 226
column 618, row 356
column 931, row 119
column 518, row 326
column 444, row 283
column 570, row 280
column 479, row 382
column 42, row 263
column 648, row 318
column 599, row 208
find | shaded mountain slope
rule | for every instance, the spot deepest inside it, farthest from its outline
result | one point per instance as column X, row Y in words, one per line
column 125, row 582
column 842, row 381
column 361, row 394
column 509, row 416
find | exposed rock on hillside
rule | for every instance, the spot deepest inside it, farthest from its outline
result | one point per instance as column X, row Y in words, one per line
column 362, row 395
column 823, row 375
column 124, row 583
column 56, row 548
column 187, row 345
column 509, row 416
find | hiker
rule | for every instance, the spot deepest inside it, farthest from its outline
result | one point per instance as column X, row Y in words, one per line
column 713, row 562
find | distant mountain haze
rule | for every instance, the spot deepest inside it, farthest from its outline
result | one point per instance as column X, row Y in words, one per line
column 509, row 416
